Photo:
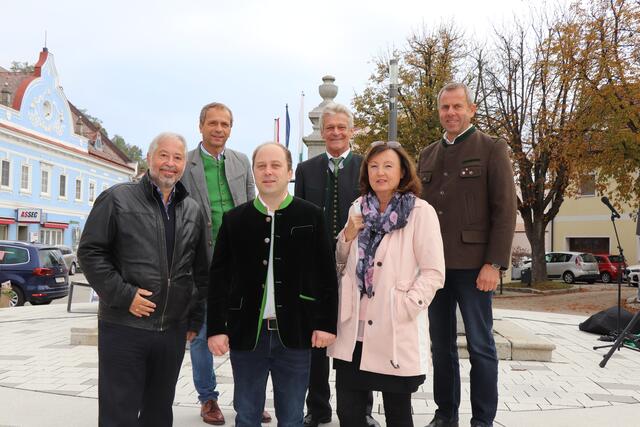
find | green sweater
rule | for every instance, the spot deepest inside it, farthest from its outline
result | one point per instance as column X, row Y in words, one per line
column 218, row 188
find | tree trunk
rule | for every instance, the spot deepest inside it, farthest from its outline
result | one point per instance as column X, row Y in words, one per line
column 537, row 240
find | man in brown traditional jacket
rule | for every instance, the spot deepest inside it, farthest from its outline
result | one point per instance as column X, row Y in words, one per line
column 467, row 177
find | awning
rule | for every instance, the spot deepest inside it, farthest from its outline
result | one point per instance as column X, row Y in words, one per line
column 7, row 221
column 61, row 225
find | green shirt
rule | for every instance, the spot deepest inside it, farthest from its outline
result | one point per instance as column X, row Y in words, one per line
column 218, row 188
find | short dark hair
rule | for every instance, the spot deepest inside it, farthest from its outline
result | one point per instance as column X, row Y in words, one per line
column 409, row 183
column 216, row 105
column 287, row 153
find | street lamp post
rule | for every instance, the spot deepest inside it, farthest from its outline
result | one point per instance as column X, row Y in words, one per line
column 393, row 96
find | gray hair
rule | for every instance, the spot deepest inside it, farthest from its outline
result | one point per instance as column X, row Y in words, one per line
column 453, row 86
column 287, row 153
column 335, row 108
column 218, row 106
column 166, row 135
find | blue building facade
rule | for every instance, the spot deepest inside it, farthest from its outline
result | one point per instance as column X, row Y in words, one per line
column 54, row 161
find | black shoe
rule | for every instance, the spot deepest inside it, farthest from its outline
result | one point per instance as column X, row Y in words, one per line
column 439, row 422
column 371, row 422
column 311, row 421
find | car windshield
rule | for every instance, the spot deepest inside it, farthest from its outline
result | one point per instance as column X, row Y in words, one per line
column 50, row 257
column 587, row 258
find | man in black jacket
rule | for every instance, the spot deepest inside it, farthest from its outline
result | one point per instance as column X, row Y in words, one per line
column 330, row 180
column 273, row 292
column 143, row 251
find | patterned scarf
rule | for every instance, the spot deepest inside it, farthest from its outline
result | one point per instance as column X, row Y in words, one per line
column 376, row 225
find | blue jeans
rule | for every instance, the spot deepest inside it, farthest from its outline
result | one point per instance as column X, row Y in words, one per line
column 289, row 370
column 475, row 306
column 204, row 376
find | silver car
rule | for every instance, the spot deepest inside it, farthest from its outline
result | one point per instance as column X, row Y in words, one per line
column 70, row 259
column 572, row 266
column 632, row 275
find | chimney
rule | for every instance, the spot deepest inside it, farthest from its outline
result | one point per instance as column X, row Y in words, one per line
column 5, row 95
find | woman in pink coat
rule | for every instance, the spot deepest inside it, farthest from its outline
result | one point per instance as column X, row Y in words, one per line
column 392, row 263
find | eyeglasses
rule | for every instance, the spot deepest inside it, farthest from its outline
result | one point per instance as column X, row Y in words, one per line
column 390, row 144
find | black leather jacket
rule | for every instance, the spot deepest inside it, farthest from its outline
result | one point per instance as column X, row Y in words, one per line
column 123, row 248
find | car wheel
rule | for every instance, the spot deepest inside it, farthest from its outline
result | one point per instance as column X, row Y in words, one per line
column 72, row 269
column 605, row 277
column 568, row 277
column 17, row 298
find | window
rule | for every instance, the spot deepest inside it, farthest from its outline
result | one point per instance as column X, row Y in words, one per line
column 5, row 174
column 51, row 236
column 588, row 185
column 63, row 186
column 25, row 178
column 13, row 255
column 78, row 189
column 92, row 191
column 598, row 245
column 45, row 181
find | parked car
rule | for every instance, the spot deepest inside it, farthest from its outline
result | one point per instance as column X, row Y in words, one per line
column 632, row 275
column 70, row 258
column 37, row 272
column 572, row 267
column 609, row 267
column 516, row 270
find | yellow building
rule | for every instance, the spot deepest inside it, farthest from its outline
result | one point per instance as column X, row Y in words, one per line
column 583, row 224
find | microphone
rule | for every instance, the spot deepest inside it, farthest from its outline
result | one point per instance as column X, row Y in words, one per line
column 606, row 202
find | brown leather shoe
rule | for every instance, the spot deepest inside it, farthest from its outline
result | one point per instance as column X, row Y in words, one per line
column 266, row 417
column 211, row 413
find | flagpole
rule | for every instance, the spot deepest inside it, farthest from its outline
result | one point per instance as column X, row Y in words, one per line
column 301, row 126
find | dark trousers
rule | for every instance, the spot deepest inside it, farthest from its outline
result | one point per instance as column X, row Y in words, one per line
column 475, row 306
column 289, row 369
column 319, row 394
column 138, row 371
column 352, row 408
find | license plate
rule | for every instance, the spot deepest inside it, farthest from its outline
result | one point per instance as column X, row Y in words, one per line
column 59, row 279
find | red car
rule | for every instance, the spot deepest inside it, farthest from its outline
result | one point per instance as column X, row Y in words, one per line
column 609, row 266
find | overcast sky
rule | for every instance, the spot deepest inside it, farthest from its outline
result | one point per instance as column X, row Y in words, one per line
column 148, row 66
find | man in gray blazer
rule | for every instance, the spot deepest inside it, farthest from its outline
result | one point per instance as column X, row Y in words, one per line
column 219, row 179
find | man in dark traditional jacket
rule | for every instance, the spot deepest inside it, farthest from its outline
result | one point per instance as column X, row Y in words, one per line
column 272, row 292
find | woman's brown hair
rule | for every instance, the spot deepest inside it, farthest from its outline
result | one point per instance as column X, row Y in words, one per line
column 409, row 183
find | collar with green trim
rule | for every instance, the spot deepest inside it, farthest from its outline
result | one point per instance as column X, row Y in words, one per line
column 265, row 211
column 458, row 139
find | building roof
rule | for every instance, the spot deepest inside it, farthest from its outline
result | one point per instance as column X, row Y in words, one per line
column 16, row 83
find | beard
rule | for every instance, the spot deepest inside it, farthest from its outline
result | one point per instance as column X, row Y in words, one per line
column 162, row 181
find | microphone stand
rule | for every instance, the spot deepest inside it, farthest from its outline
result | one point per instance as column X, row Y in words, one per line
column 619, row 336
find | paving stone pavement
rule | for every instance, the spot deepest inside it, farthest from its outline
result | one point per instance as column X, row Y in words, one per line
column 35, row 355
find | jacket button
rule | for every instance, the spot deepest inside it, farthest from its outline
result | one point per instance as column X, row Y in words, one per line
column 265, row 262
column 446, row 174
column 263, row 286
column 267, row 240
column 419, row 302
column 442, row 193
column 370, row 322
column 379, row 264
column 268, row 219
column 440, row 212
column 209, row 224
column 210, row 243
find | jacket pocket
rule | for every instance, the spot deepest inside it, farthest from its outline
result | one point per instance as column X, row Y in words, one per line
column 403, row 307
column 235, row 303
column 475, row 236
column 470, row 172
column 302, row 231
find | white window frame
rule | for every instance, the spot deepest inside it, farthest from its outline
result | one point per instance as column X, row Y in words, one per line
column 75, row 189
column 2, row 162
column 46, row 192
column 66, row 185
column 51, row 236
column 91, row 196
column 29, row 178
